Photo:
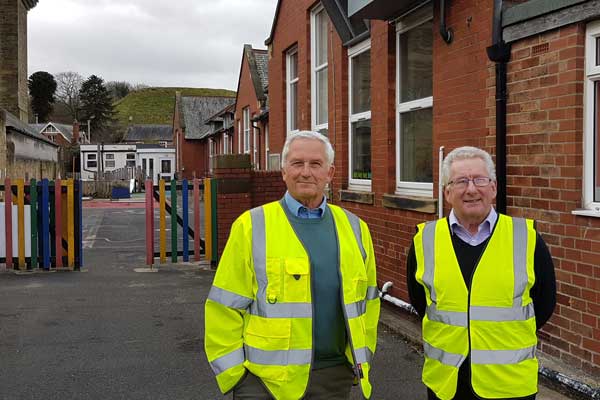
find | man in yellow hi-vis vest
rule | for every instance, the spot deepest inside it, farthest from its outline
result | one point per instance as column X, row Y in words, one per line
column 483, row 283
column 294, row 305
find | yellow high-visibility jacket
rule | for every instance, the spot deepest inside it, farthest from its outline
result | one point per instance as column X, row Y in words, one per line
column 494, row 322
column 259, row 309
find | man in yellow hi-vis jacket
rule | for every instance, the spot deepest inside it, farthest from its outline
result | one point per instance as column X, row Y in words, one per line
column 483, row 282
column 294, row 305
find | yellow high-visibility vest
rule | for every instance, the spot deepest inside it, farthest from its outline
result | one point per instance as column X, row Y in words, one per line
column 259, row 309
column 494, row 322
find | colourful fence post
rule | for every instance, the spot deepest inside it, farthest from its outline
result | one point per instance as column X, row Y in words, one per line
column 163, row 223
column 174, row 221
column 58, row 223
column 149, row 223
column 207, row 220
column 70, row 225
column 21, row 222
column 34, row 222
column 45, row 225
column 196, row 219
column 52, row 222
column 8, row 222
column 186, row 233
column 79, row 218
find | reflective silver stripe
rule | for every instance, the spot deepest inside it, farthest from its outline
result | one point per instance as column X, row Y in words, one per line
column 357, row 309
column 259, row 249
column 502, row 356
column 519, row 259
column 452, row 359
column 229, row 299
column 355, row 224
column 227, row 361
column 429, row 257
column 282, row 310
column 372, row 292
column 518, row 313
column 278, row 357
column 363, row 355
column 455, row 318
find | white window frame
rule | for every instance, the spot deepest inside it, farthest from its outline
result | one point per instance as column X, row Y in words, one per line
column 356, row 184
column 239, row 126
column 255, row 147
column 288, row 83
column 211, row 153
column 592, row 75
column 267, row 147
column 246, row 126
column 316, row 69
column 423, row 189
column 225, row 143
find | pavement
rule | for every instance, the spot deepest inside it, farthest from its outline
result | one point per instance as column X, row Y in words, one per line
column 109, row 332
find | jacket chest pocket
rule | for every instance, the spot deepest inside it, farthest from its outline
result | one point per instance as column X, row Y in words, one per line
column 288, row 280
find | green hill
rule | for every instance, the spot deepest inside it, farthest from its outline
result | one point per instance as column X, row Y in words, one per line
column 155, row 105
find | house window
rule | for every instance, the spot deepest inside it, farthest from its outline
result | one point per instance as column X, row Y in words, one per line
column 255, row 157
column 211, row 153
column 239, row 137
column 274, row 162
column 267, row 147
column 109, row 163
column 360, row 116
column 292, row 89
column 91, row 156
column 246, row 118
column 109, row 156
column 319, row 34
column 225, row 143
column 414, row 108
column 165, row 166
column 591, row 143
column 130, row 162
column 92, row 164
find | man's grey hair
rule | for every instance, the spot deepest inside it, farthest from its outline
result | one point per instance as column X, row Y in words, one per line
column 330, row 154
column 467, row 153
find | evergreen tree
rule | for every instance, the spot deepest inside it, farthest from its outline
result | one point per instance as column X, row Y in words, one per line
column 42, row 87
column 96, row 103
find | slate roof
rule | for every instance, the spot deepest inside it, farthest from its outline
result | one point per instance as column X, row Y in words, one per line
column 17, row 125
column 195, row 110
column 64, row 129
column 149, row 133
column 258, row 63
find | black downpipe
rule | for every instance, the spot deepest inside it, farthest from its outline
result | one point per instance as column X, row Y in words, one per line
column 446, row 33
column 499, row 52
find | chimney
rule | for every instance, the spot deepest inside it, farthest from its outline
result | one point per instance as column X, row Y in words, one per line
column 75, row 139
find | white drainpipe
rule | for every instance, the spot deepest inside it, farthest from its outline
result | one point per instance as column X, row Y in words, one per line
column 394, row 300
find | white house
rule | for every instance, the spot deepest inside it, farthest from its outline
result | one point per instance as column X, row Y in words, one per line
column 106, row 158
column 156, row 161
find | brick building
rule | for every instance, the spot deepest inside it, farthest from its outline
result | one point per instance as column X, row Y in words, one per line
column 392, row 82
column 251, row 109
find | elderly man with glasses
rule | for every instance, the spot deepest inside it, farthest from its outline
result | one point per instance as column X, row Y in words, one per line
column 484, row 283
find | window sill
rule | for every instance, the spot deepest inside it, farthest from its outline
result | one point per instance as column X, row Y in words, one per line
column 585, row 212
column 356, row 196
column 402, row 202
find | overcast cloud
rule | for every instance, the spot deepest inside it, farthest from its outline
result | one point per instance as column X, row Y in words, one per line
column 183, row 43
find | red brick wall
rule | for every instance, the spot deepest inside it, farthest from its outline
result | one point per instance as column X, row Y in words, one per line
column 267, row 186
column 194, row 155
column 545, row 130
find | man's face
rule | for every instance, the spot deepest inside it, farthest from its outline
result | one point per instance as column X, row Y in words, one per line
column 306, row 171
column 472, row 203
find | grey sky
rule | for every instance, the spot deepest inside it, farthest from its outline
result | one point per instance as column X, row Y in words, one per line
column 188, row 43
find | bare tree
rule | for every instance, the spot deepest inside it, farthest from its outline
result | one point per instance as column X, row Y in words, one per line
column 67, row 91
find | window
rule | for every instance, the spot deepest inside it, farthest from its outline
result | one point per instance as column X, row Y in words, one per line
column 591, row 141
column 239, row 137
column 211, row 153
column 274, row 162
column 292, row 89
column 267, row 147
column 246, row 118
column 319, row 35
column 92, row 164
column 414, row 107
column 165, row 166
column 225, row 143
column 144, row 166
column 255, row 158
column 91, row 156
column 130, row 162
column 359, row 90
column 109, row 156
column 109, row 163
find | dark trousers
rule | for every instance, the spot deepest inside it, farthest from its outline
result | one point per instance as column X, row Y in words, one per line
column 332, row 383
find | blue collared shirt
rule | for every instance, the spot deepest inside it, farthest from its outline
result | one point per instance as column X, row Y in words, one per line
column 300, row 211
column 483, row 231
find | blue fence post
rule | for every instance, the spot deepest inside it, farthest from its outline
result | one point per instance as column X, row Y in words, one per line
column 79, row 222
column 45, row 236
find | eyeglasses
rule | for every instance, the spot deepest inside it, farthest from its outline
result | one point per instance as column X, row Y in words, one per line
column 462, row 183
